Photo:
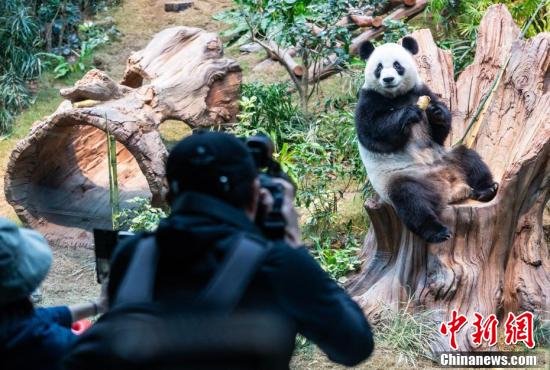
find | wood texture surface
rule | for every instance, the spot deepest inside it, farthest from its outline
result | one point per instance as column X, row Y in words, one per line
column 57, row 177
column 497, row 260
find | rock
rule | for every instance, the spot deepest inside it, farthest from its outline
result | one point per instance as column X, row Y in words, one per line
column 250, row 48
column 177, row 6
column 265, row 65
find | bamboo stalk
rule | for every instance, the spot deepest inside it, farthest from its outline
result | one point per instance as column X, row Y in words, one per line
column 472, row 129
column 113, row 177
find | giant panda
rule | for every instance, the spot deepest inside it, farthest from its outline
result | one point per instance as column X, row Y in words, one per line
column 401, row 145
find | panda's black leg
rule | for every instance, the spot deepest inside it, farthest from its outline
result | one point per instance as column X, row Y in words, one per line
column 478, row 175
column 417, row 203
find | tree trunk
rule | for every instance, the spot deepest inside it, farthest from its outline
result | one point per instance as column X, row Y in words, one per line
column 57, row 177
column 497, row 260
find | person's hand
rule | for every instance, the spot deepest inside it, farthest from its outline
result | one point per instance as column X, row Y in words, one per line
column 91, row 308
column 292, row 229
column 102, row 301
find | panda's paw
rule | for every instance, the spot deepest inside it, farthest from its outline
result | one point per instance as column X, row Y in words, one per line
column 413, row 114
column 487, row 194
column 439, row 236
column 435, row 111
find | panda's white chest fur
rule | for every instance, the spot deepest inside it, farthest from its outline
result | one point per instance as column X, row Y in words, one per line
column 416, row 158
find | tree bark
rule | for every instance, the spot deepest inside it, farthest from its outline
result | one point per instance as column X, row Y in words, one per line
column 57, row 177
column 497, row 260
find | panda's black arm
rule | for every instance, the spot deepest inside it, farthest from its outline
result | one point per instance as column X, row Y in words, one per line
column 439, row 116
column 385, row 131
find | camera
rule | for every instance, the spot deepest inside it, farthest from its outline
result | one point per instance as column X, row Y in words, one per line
column 105, row 242
column 272, row 223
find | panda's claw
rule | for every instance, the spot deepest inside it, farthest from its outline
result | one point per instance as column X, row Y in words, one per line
column 439, row 237
column 486, row 195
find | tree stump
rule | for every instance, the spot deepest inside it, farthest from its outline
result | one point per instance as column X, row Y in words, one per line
column 57, row 177
column 497, row 260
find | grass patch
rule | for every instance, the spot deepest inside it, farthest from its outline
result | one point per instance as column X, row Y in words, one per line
column 408, row 334
column 172, row 131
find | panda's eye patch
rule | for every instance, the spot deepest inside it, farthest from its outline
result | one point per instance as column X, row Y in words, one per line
column 398, row 67
column 378, row 70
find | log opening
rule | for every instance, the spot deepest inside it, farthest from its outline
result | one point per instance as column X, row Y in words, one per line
column 63, row 183
column 57, row 177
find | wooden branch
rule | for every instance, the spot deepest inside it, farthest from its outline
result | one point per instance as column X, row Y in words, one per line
column 497, row 260
column 325, row 69
column 57, row 177
column 402, row 12
column 367, row 20
column 283, row 56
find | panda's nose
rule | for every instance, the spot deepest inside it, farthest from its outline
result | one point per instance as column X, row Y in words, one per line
column 388, row 79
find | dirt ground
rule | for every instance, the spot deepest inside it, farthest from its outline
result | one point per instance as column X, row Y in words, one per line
column 72, row 278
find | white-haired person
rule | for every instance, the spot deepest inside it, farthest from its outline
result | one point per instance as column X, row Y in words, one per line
column 32, row 338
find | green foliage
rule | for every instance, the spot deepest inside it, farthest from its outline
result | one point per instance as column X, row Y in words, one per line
column 19, row 39
column 140, row 216
column 289, row 24
column 268, row 109
column 238, row 27
column 395, row 30
column 320, row 153
column 62, row 68
column 457, row 23
column 23, row 23
column 541, row 331
column 28, row 26
column 61, row 22
column 408, row 333
column 337, row 261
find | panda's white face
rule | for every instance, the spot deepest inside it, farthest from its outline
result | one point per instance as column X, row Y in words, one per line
column 391, row 71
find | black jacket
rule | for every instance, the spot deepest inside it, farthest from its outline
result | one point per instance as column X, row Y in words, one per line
column 192, row 243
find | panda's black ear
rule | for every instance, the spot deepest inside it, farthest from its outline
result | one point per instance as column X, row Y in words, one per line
column 410, row 44
column 365, row 49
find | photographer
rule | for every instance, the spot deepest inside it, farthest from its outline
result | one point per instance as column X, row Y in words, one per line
column 215, row 194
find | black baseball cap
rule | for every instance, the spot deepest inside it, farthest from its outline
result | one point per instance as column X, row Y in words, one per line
column 213, row 163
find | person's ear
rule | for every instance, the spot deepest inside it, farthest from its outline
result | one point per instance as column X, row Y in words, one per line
column 365, row 50
column 410, row 44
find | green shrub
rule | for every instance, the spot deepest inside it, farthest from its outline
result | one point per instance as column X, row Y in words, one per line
column 457, row 23
column 140, row 216
column 29, row 26
column 395, row 30
column 338, row 261
column 268, row 109
column 19, row 40
column 288, row 24
column 319, row 152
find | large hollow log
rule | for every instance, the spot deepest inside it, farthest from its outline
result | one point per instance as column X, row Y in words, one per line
column 57, row 177
column 497, row 260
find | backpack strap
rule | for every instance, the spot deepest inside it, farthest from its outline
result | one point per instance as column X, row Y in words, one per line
column 139, row 281
column 228, row 285
column 222, row 293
